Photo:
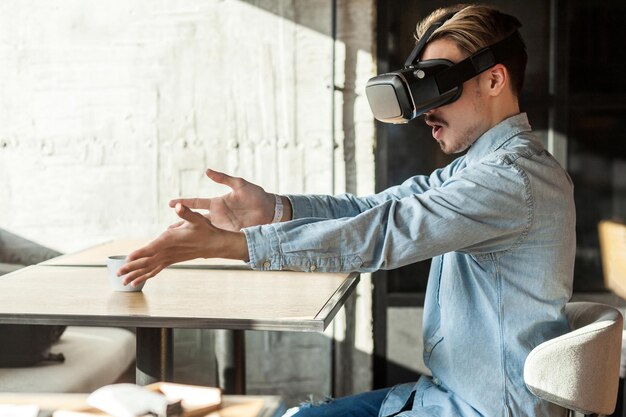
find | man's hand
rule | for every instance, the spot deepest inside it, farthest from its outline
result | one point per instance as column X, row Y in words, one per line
column 193, row 237
column 246, row 205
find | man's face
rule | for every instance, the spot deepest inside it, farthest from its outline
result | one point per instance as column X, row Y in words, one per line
column 457, row 125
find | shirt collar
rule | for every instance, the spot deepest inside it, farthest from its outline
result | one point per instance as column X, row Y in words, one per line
column 497, row 136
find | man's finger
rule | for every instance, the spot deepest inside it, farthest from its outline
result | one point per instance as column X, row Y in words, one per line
column 225, row 179
column 186, row 214
column 175, row 225
column 145, row 252
column 133, row 265
column 194, row 203
column 150, row 274
column 136, row 273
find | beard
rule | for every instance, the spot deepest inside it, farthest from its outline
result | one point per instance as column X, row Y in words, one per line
column 459, row 145
column 454, row 142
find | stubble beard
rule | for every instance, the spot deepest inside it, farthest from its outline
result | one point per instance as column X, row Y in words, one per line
column 468, row 137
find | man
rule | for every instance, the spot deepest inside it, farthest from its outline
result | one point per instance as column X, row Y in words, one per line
column 498, row 223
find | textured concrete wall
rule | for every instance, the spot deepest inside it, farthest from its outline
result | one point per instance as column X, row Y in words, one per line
column 110, row 109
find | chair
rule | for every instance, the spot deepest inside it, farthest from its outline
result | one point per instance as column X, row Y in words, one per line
column 613, row 251
column 580, row 369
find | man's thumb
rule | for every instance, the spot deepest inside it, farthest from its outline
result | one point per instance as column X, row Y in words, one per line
column 224, row 179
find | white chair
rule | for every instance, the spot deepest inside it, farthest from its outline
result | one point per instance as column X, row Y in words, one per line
column 580, row 369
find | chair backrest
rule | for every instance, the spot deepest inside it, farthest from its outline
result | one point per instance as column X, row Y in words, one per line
column 613, row 250
column 580, row 369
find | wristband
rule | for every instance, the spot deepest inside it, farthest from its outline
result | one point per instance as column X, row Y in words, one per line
column 278, row 209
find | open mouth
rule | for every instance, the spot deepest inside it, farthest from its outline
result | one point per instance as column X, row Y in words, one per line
column 437, row 124
column 437, row 129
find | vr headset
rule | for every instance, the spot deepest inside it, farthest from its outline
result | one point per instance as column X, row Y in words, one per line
column 400, row 96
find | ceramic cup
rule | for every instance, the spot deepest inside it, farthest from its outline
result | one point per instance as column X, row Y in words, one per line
column 114, row 263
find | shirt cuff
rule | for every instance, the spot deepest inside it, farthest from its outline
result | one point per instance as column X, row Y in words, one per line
column 263, row 247
column 300, row 206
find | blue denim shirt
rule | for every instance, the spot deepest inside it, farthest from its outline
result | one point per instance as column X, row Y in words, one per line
column 499, row 223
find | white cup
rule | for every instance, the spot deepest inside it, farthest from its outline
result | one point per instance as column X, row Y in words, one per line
column 114, row 263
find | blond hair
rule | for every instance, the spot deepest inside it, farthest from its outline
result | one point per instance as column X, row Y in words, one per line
column 475, row 27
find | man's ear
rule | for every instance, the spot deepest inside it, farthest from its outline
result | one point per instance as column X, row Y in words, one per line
column 497, row 78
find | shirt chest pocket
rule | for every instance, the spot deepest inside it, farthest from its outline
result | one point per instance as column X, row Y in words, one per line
column 461, row 278
column 429, row 346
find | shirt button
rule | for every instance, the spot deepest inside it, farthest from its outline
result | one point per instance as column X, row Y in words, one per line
column 313, row 268
column 266, row 264
column 428, row 348
column 436, row 381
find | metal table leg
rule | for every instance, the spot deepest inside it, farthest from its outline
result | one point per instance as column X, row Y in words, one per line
column 230, row 350
column 154, row 355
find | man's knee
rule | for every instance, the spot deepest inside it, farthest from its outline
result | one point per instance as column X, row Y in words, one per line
column 311, row 408
column 361, row 405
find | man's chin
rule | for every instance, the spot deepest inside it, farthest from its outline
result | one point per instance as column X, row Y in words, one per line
column 448, row 150
column 443, row 146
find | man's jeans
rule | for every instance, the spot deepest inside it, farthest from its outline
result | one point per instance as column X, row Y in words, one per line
column 366, row 404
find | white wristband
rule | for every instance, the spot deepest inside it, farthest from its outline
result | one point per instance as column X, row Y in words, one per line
column 278, row 209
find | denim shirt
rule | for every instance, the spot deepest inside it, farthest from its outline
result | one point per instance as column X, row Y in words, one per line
column 499, row 223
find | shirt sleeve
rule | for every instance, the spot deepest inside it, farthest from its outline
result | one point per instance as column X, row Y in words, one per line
column 483, row 207
column 348, row 205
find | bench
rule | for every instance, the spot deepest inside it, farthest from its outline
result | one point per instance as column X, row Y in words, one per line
column 94, row 357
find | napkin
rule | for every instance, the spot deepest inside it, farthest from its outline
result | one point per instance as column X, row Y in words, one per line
column 128, row 400
column 18, row 410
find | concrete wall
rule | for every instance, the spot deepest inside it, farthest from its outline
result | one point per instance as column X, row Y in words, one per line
column 110, row 109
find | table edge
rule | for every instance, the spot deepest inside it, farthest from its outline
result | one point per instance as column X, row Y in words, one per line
column 328, row 312
column 298, row 325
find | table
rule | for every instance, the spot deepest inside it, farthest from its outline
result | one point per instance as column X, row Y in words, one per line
column 178, row 298
column 232, row 405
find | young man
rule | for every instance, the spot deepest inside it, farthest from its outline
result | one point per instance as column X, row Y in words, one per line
column 498, row 223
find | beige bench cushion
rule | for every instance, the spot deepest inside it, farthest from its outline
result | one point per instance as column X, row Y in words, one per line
column 94, row 357
column 6, row 268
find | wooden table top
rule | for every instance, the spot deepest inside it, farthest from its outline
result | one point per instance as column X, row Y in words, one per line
column 97, row 255
column 176, row 298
